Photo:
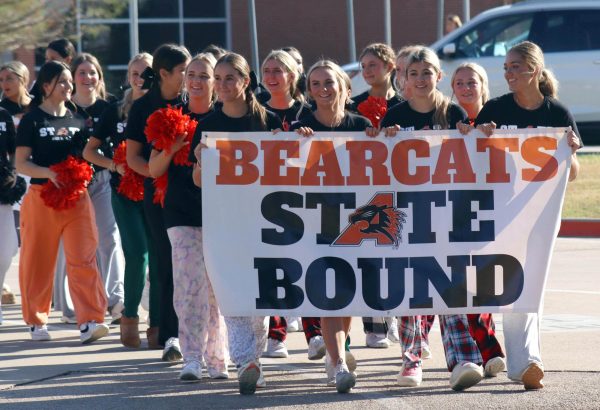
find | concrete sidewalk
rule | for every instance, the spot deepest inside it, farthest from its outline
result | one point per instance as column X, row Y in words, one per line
column 64, row 374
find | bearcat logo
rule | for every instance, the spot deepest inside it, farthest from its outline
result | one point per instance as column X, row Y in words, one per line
column 379, row 220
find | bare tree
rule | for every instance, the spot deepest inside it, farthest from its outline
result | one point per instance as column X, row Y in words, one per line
column 33, row 23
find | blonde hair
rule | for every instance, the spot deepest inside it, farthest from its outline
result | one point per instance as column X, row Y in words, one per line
column 480, row 72
column 441, row 102
column 239, row 64
column 127, row 101
column 342, row 78
column 20, row 70
column 88, row 58
column 290, row 65
column 454, row 19
column 210, row 60
column 534, row 58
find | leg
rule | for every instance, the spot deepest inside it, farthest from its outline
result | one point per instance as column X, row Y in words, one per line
column 522, row 343
column 8, row 234
column 376, row 332
column 482, row 329
column 312, row 327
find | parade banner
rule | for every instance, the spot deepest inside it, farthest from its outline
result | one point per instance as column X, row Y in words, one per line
column 340, row 224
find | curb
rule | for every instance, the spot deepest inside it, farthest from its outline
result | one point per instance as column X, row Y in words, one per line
column 589, row 228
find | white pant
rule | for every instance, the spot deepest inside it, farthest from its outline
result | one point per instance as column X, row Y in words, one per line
column 522, row 342
column 8, row 233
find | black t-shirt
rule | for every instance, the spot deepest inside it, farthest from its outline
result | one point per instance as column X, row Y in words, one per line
column 183, row 199
column 396, row 99
column 92, row 115
column 110, row 129
column 290, row 116
column 51, row 138
column 350, row 122
column 7, row 135
column 506, row 113
column 16, row 110
column 411, row 120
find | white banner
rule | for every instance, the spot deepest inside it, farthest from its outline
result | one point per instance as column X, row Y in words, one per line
column 339, row 224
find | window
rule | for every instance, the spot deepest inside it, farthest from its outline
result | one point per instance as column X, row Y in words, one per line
column 571, row 30
column 493, row 38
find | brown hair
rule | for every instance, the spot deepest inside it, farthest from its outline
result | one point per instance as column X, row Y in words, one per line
column 534, row 58
column 239, row 64
column 88, row 58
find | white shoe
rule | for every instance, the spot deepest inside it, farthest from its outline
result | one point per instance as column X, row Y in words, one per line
column 350, row 361
column 116, row 312
column 465, row 375
column 426, row 353
column 248, row 376
column 377, row 341
column 69, row 320
column 218, row 374
column 316, row 348
column 410, row 376
column 172, row 350
column 39, row 333
column 344, row 379
column 294, row 324
column 261, row 383
column 191, row 371
column 330, row 367
column 392, row 333
column 92, row 331
column 275, row 348
column 494, row 366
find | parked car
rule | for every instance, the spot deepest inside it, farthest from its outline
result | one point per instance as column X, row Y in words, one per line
column 567, row 31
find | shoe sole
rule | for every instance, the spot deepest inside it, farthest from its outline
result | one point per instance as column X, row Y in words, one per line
column 275, row 355
column 408, row 382
column 350, row 361
column 345, row 383
column 379, row 346
column 99, row 333
column 532, row 378
column 172, row 355
column 248, row 380
column 189, row 378
column 493, row 367
column 466, row 380
column 41, row 339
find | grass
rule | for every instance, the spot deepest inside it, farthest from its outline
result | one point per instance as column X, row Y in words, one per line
column 582, row 199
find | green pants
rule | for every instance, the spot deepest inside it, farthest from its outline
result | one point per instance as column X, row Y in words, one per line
column 132, row 227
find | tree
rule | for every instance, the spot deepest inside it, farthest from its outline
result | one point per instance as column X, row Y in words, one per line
column 33, row 23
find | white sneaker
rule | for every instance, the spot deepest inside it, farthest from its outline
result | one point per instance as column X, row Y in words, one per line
column 275, row 348
column 465, row 375
column 410, row 376
column 392, row 333
column 39, row 333
column 494, row 366
column 377, row 341
column 248, row 376
column 344, row 379
column 261, row 383
column 172, row 351
column 191, row 371
column 316, row 348
column 92, row 331
column 350, row 361
column 116, row 312
column 214, row 373
column 294, row 324
column 69, row 320
column 426, row 352
column 330, row 370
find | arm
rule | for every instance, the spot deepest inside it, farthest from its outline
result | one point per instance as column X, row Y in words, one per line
column 135, row 160
column 26, row 167
column 91, row 154
column 160, row 160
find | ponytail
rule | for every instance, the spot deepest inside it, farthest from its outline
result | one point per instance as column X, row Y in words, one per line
column 255, row 109
column 126, row 103
column 440, row 116
column 548, row 84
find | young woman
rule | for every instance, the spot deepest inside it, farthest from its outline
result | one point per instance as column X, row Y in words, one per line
column 167, row 73
column 42, row 227
column 452, row 23
column 329, row 87
column 377, row 65
column 129, row 215
column 61, row 50
column 532, row 102
column 89, row 100
column 240, row 112
column 280, row 77
column 428, row 108
column 202, row 331
column 470, row 87
column 9, row 246
column 14, row 79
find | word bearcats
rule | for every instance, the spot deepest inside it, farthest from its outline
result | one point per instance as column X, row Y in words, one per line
column 426, row 270
column 405, row 162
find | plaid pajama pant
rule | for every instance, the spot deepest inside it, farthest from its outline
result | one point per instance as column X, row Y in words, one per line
column 278, row 327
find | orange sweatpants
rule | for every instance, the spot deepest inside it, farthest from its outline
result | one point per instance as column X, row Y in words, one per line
column 41, row 230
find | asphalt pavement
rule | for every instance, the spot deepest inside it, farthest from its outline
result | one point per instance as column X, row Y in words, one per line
column 63, row 374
